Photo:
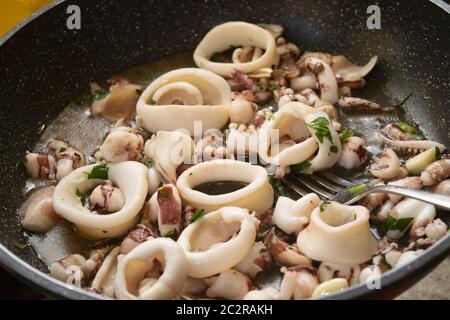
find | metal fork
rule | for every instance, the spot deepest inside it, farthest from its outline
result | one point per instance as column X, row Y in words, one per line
column 330, row 187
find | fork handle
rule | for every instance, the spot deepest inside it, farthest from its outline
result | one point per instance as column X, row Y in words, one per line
column 438, row 199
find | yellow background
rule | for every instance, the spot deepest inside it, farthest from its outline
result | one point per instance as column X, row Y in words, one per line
column 14, row 11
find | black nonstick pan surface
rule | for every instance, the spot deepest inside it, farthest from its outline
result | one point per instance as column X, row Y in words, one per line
column 43, row 65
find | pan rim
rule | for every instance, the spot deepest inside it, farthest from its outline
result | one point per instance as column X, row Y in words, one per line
column 55, row 288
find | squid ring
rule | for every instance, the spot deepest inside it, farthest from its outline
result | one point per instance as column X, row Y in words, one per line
column 338, row 234
column 299, row 121
column 236, row 34
column 256, row 196
column 129, row 176
column 132, row 269
column 211, row 244
column 178, row 98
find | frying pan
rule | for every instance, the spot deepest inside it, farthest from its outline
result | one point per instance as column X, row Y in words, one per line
column 43, row 65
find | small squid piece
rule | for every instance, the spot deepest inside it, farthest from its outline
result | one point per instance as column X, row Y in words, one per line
column 292, row 216
column 436, row 172
column 413, row 183
column 287, row 287
column 165, row 207
column 256, row 260
column 119, row 103
column 229, row 284
column 442, row 187
column 328, row 271
column 67, row 158
column 154, row 180
column 68, row 269
column 136, row 236
column 106, row 197
column 436, row 229
column 93, row 264
column 285, row 254
column 122, row 144
column 307, row 282
column 242, row 108
column 326, row 78
column 387, row 165
column 39, row 165
column 354, row 153
column 37, row 211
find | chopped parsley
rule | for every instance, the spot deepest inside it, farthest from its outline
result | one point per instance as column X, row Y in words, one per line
column 323, row 206
column 270, row 117
column 62, row 149
column 152, row 102
column 163, row 193
column 148, row 164
column 391, row 223
column 320, row 126
column 354, row 190
column 437, row 153
column 299, row 167
column 416, row 246
column 84, row 196
column 334, row 149
column 99, row 94
column 171, row 234
column 345, row 135
column 277, row 185
column 99, row 172
column 275, row 87
column 198, row 214
column 20, row 246
column 263, row 250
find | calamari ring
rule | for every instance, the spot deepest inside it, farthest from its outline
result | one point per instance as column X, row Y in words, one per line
column 207, row 244
column 256, row 196
column 129, row 176
column 236, row 34
column 292, row 120
column 178, row 98
column 133, row 267
column 339, row 234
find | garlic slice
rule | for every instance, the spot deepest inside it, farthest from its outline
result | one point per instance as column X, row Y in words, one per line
column 168, row 150
column 338, row 234
column 236, row 34
column 256, row 196
column 129, row 176
column 294, row 120
column 218, row 241
column 132, row 282
column 178, row 98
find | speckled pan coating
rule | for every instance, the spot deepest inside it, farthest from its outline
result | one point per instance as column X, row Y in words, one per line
column 43, row 65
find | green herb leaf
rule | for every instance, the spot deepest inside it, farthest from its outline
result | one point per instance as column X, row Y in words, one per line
column 278, row 186
column 437, row 153
column 99, row 171
column 62, row 149
column 263, row 250
column 320, row 126
column 163, row 193
column 152, row 102
column 270, row 117
column 416, row 246
column 197, row 215
column 390, row 223
column 345, row 135
column 323, row 205
column 170, row 234
column 99, row 94
column 354, row 190
column 275, row 87
column 20, row 246
column 299, row 167
column 334, row 149
column 405, row 127
column 148, row 164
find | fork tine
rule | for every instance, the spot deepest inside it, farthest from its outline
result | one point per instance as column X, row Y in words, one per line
column 295, row 188
column 323, row 183
column 335, row 179
column 311, row 186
